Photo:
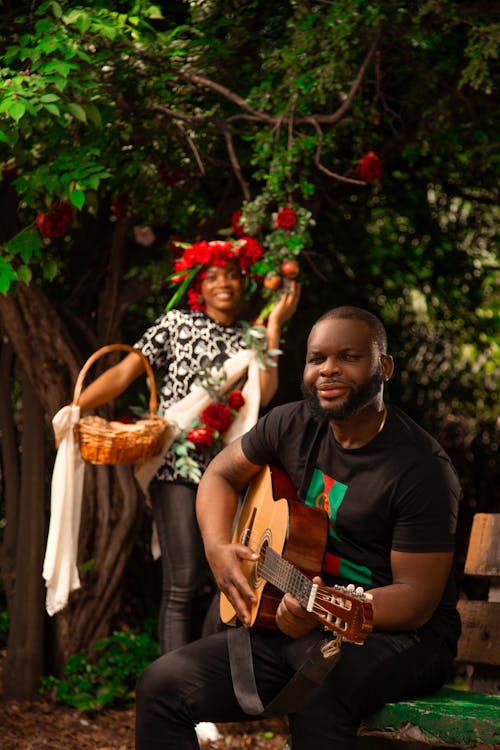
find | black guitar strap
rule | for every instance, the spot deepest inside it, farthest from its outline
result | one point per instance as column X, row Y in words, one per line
column 319, row 659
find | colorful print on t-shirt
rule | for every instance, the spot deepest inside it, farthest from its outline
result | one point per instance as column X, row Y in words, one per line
column 327, row 493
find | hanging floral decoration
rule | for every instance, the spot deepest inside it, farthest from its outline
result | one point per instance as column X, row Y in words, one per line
column 265, row 239
column 285, row 231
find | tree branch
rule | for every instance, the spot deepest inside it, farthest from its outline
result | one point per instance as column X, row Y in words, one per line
column 228, row 94
column 336, row 116
column 192, row 146
column 235, row 163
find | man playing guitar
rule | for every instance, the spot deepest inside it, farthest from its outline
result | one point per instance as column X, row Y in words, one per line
column 389, row 495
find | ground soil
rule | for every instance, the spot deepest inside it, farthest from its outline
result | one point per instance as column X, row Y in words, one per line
column 42, row 725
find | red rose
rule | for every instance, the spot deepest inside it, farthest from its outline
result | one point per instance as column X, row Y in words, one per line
column 249, row 253
column 197, row 253
column 286, row 218
column 220, row 253
column 235, row 400
column 55, row 222
column 202, row 437
column 238, row 229
column 370, row 167
column 170, row 178
column 9, row 170
column 218, row 417
column 195, row 300
column 174, row 248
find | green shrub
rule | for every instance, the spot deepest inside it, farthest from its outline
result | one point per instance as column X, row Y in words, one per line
column 90, row 685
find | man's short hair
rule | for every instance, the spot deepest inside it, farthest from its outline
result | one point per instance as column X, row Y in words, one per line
column 348, row 312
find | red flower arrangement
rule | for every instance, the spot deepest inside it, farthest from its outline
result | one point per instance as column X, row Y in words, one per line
column 214, row 421
column 370, row 168
column 245, row 251
column 56, row 222
column 286, row 218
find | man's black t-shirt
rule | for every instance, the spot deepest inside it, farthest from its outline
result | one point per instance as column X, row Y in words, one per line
column 399, row 492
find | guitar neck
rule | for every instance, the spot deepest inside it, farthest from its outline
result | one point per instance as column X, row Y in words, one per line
column 285, row 576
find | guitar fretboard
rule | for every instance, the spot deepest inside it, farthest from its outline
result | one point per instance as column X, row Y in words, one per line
column 285, row 576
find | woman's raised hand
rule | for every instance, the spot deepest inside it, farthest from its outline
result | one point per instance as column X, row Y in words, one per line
column 286, row 306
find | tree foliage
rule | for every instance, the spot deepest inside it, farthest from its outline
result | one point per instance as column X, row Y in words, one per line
column 157, row 122
column 179, row 115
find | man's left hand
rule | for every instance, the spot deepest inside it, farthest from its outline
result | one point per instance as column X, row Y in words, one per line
column 292, row 619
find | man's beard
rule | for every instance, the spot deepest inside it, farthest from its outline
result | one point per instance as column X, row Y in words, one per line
column 355, row 401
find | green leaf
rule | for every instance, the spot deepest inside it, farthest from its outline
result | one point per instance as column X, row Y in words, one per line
column 7, row 276
column 94, row 115
column 50, row 270
column 77, row 198
column 26, row 244
column 58, row 66
column 24, row 274
column 17, row 110
column 177, row 296
column 6, row 103
column 53, row 109
column 45, row 98
column 56, row 9
column 83, row 23
column 77, row 111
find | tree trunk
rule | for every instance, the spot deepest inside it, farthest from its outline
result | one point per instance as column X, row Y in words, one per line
column 11, row 472
column 25, row 653
column 112, row 502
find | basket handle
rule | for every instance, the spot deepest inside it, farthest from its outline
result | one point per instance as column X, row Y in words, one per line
column 113, row 348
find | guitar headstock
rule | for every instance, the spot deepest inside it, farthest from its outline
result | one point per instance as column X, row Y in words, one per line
column 346, row 611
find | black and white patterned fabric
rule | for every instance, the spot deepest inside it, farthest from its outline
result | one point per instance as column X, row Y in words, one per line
column 178, row 345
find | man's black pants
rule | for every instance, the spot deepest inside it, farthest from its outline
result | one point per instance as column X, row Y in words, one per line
column 193, row 684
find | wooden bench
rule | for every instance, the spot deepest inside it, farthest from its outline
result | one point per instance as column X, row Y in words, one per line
column 457, row 718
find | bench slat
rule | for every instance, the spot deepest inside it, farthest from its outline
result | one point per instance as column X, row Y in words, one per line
column 483, row 552
column 480, row 639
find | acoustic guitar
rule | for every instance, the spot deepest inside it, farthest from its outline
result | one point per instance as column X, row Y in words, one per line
column 290, row 539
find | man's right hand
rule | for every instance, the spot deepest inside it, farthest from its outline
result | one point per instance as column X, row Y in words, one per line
column 225, row 560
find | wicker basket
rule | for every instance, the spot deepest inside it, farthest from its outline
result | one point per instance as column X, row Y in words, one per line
column 103, row 442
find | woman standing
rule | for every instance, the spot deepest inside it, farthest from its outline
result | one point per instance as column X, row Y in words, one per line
column 181, row 344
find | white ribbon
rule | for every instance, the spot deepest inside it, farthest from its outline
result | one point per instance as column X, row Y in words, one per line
column 59, row 567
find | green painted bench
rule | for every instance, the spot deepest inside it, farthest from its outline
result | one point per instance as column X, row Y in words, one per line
column 467, row 719
column 451, row 718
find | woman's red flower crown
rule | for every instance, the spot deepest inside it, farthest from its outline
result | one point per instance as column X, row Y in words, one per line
column 245, row 251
